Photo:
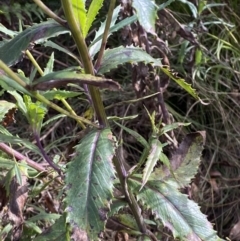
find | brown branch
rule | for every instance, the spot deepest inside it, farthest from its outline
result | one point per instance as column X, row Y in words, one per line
column 13, row 153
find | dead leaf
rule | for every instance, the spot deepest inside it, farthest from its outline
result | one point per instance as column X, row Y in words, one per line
column 3, row 197
column 235, row 232
column 78, row 235
column 17, row 200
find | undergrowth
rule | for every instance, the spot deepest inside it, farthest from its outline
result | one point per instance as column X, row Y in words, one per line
column 188, row 46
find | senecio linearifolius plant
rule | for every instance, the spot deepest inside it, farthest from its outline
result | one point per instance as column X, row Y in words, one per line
column 97, row 186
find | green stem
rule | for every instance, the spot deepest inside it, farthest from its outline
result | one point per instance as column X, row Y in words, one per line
column 86, row 60
column 41, row 98
column 65, row 103
column 105, row 34
column 50, row 13
column 97, row 102
column 11, row 74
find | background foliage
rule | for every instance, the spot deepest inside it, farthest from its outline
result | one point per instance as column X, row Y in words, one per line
column 199, row 42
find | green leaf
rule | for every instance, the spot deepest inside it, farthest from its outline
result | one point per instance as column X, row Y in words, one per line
column 55, row 117
column 92, row 13
column 8, row 31
column 59, row 48
column 32, row 226
column 182, row 83
column 97, row 41
column 43, row 216
column 121, row 55
column 184, row 161
column 126, row 223
column 165, row 4
column 64, row 77
column 152, row 120
column 89, row 181
column 20, row 103
column 16, row 140
column 176, row 212
column 18, row 173
column 79, row 12
column 6, row 164
column 60, row 94
column 188, row 155
column 172, row 126
column 117, row 205
column 35, row 34
column 117, row 56
column 164, row 159
column 50, row 64
column 35, row 113
column 146, row 13
column 5, row 107
column 136, row 135
column 8, row 178
column 4, row 231
column 153, row 157
column 191, row 6
column 9, row 84
column 113, row 28
column 57, row 232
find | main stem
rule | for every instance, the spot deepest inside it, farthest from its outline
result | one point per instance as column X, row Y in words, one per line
column 98, row 104
column 86, row 60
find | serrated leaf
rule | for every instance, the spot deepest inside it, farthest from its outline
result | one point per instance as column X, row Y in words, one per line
column 156, row 148
column 118, row 56
column 92, row 13
column 146, row 13
column 96, row 44
column 35, row 113
column 79, row 12
column 180, row 82
column 64, row 77
column 6, row 163
column 35, row 34
column 116, row 206
column 60, row 94
column 121, row 55
column 181, row 215
column 57, row 232
column 189, row 154
column 185, row 161
column 89, row 181
column 113, row 28
column 5, row 107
